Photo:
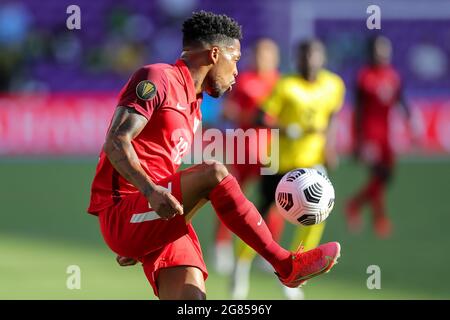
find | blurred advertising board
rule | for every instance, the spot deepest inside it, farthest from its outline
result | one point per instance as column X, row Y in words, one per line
column 56, row 124
column 75, row 124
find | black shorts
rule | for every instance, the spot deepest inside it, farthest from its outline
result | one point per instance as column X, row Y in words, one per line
column 268, row 186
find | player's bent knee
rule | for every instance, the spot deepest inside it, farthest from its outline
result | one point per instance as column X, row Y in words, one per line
column 216, row 172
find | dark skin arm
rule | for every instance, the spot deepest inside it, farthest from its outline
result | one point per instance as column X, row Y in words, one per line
column 126, row 125
column 331, row 156
column 403, row 104
column 413, row 125
column 262, row 119
column 357, row 123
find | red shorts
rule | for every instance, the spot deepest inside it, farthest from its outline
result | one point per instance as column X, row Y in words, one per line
column 132, row 229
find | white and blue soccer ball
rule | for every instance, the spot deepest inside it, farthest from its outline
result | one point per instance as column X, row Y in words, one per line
column 305, row 196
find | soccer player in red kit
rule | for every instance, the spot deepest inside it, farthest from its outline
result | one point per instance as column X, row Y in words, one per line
column 378, row 92
column 145, row 206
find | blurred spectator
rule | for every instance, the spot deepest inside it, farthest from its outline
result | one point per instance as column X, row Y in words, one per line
column 125, row 46
column 14, row 23
column 14, row 27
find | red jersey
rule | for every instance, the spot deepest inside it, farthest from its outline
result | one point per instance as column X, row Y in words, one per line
column 165, row 95
column 379, row 90
column 250, row 92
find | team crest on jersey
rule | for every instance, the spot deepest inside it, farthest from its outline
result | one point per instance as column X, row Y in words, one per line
column 146, row 90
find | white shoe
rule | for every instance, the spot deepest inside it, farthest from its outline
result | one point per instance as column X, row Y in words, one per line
column 224, row 258
column 240, row 284
column 293, row 293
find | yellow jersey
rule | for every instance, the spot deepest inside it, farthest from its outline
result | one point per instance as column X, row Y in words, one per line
column 309, row 105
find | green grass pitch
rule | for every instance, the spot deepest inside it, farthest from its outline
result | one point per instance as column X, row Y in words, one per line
column 44, row 229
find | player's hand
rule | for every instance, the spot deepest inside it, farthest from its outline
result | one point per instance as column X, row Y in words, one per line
column 125, row 262
column 293, row 131
column 164, row 204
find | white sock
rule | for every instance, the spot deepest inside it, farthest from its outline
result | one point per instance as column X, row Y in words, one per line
column 224, row 258
column 293, row 293
column 241, row 280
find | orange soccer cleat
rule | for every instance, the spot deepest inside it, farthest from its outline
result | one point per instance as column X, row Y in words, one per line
column 383, row 227
column 309, row 264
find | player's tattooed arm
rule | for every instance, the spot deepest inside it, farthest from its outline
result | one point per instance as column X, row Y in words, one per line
column 126, row 125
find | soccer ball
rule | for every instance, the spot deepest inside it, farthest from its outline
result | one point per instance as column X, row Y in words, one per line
column 305, row 196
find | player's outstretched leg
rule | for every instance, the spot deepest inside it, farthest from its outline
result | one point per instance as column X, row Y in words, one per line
column 212, row 181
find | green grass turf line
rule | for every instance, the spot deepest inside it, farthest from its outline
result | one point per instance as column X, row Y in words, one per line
column 44, row 228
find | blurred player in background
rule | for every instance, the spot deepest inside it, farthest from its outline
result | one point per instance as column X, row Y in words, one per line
column 378, row 91
column 241, row 107
column 302, row 106
column 145, row 205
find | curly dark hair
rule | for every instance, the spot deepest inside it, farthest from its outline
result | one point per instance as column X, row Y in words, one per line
column 209, row 28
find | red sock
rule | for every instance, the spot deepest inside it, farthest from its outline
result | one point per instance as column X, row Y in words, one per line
column 377, row 199
column 244, row 220
column 367, row 192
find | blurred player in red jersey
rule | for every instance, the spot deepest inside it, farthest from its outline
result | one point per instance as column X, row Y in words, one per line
column 145, row 206
column 378, row 91
column 242, row 107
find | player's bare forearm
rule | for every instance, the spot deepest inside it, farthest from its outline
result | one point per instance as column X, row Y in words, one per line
column 124, row 159
column 126, row 125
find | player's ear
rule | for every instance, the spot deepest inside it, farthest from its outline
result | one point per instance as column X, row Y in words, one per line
column 214, row 54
